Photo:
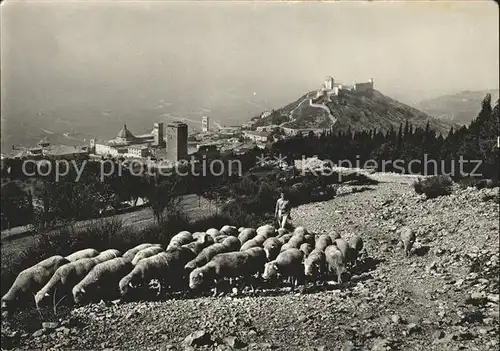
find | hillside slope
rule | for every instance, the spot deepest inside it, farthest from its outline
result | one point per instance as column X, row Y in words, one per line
column 416, row 303
column 460, row 108
column 358, row 112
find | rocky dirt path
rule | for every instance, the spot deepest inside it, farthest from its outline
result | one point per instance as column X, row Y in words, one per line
column 444, row 297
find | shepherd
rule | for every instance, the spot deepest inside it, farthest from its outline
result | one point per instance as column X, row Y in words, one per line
column 283, row 208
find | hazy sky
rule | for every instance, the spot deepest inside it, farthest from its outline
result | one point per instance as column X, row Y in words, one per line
column 110, row 53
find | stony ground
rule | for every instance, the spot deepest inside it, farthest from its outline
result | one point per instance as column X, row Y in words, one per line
column 443, row 297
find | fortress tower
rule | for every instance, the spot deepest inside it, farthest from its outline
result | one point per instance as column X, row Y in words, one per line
column 204, row 124
column 177, row 135
column 329, row 82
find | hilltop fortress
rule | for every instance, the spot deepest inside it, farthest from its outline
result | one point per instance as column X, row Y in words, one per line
column 330, row 88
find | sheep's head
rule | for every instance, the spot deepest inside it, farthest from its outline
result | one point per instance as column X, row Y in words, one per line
column 196, row 279
column 6, row 303
column 311, row 268
column 270, row 270
column 125, row 285
column 78, row 294
column 41, row 298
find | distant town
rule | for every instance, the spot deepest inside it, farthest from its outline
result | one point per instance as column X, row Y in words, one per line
column 173, row 142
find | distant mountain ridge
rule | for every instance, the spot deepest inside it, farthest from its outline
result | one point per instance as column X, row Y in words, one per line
column 351, row 110
column 460, row 108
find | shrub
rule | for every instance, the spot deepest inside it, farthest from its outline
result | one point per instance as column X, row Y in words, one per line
column 491, row 197
column 478, row 183
column 434, row 186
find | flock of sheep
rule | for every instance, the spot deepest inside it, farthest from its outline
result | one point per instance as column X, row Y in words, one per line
column 191, row 262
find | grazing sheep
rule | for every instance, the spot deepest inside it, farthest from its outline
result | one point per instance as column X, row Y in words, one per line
column 229, row 230
column 288, row 264
column 296, row 240
column 232, row 243
column 224, row 265
column 220, row 238
column 300, row 231
column 146, row 269
column 335, row 261
column 85, row 253
column 65, row 278
column 205, row 256
column 272, row 248
column 203, row 238
column 53, row 263
column 287, row 246
column 180, row 239
column 173, row 275
column 285, row 238
column 247, row 234
column 27, row 283
column 356, row 243
column 129, row 254
column 323, row 241
column 257, row 258
column 407, row 238
column 196, row 246
column 255, row 242
column 147, row 252
column 213, row 232
column 281, row 232
column 107, row 255
column 306, row 248
column 315, row 265
column 198, row 235
column 347, row 251
column 266, row 231
column 102, row 278
column 310, row 239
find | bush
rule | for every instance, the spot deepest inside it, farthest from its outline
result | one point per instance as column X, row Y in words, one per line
column 491, row 197
column 434, row 186
column 478, row 183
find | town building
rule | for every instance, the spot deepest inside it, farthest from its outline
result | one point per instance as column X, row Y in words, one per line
column 269, row 128
column 266, row 114
column 256, row 136
column 45, row 150
column 126, row 144
column 177, row 141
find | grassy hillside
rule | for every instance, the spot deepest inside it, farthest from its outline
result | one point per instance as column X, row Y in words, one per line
column 379, row 111
column 357, row 112
column 460, row 108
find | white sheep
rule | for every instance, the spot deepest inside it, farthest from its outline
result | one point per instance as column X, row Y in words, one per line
column 229, row 230
column 65, row 278
column 267, row 231
column 85, row 253
column 27, row 283
column 335, row 261
column 147, row 252
column 166, row 267
column 107, row 255
column 52, row 263
column 247, row 234
column 213, row 233
column 129, row 254
column 288, row 264
column 181, row 238
column 102, row 278
column 407, row 237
